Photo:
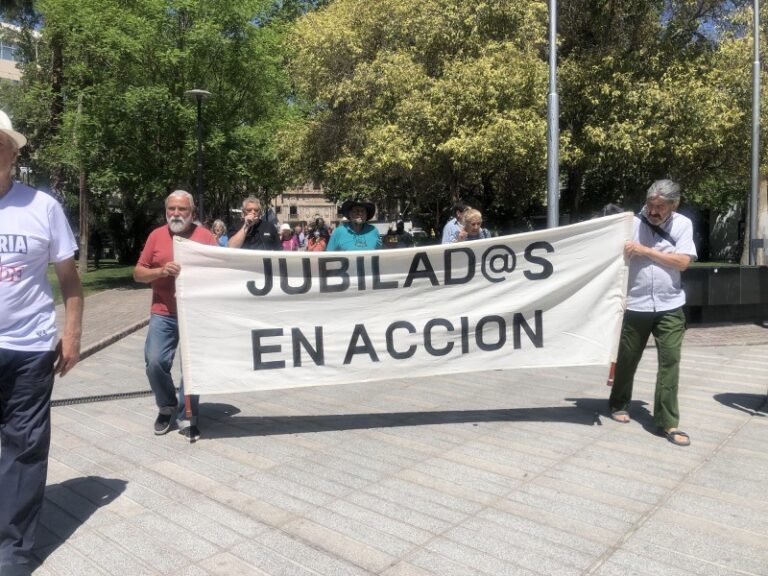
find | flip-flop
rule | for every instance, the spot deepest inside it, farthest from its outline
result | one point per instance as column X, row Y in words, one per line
column 686, row 441
column 618, row 414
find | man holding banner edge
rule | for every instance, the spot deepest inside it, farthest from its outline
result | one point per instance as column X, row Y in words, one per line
column 156, row 266
column 661, row 248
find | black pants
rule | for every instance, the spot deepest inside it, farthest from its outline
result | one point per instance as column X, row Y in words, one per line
column 26, row 382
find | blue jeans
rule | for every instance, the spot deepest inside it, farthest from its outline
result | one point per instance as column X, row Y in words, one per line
column 26, row 382
column 159, row 352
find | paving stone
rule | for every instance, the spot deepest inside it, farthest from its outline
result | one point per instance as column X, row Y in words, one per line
column 281, row 495
column 191, row 571
column 486, row 563
column 76, row 507
column 160, row 557
column 569, row 506
column 679, row 560
column 225, row 564
column 193, row 546
column 394, row 510
column 629, row 563
column 235, row 511
column 295, row 475
column 744, row 516
column 202, row 526
column 533, row 551
column 432, row 496
column 320, row 561
column 439, row 565
column 739, row 551
column 519, row 556
column 66, row 560
column 381, row 521
column 108, row 555
column 590, row 494
column 515, row 526
column 406, row 569
column 602, row 480
column 365, row 533
column 467, row 476
column 344, row 546
column 394, row 494
column 447, row 487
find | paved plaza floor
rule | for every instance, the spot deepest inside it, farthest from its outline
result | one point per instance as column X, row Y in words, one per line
column 491, row 473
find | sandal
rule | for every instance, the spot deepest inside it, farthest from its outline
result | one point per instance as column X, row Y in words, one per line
column 686, row 441
column 621, row 416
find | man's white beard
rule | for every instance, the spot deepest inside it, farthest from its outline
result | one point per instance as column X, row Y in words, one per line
column 178, row 224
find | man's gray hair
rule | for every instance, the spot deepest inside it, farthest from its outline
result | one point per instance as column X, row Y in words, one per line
column 252, row 200
column 666, row 190
column 182, row 194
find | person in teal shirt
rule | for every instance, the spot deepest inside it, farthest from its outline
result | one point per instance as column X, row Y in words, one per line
column 356, row 233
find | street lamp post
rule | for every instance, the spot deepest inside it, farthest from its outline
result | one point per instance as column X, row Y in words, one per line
column 553, row 126
column 754, row 243
column 198, row 96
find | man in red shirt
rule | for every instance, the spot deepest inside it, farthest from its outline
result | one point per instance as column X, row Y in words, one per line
column 156, row 267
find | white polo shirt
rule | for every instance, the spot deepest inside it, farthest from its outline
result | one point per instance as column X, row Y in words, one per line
column 652, row 286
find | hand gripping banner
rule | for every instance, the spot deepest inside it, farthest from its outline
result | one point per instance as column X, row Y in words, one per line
column 252, row 320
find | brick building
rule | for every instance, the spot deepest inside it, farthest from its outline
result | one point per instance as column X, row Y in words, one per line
column 301, row 205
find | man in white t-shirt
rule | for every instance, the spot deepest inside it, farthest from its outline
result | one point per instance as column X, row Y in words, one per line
column 33, row 233
column 661, row 248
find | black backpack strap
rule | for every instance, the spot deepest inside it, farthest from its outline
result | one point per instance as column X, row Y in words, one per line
column 660, row 231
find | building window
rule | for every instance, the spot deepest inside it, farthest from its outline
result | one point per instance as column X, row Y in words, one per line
column 8, row 51
column 294, row 211
column 278, row 209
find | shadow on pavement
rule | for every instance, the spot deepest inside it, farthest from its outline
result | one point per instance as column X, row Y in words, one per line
column 638, row 410
column 753, row 404
column 225, row 426
column 69, row 505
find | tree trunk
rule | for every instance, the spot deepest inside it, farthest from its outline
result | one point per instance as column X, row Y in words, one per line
column 57, row 109
column 84, row 207
column 84, row 229
column 762, row 225
column 571, row 201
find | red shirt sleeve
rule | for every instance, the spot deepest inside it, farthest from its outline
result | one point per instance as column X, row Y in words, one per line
column 147, row 253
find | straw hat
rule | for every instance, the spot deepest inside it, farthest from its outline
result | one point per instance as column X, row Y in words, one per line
column 7, row 128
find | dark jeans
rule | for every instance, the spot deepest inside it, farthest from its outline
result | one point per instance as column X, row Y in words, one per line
column 668, row 328
column 26, row 382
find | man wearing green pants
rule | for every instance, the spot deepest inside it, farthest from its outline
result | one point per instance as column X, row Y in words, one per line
column 661, row 248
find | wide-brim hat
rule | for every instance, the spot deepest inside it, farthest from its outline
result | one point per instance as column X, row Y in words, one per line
column 7, row 128
column 370, row 207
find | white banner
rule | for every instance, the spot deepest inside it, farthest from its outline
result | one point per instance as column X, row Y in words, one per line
column 252, row 320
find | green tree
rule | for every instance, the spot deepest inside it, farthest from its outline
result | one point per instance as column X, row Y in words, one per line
column 425, row 102
column 650, row 89
column 447, row 98
column 129, row 63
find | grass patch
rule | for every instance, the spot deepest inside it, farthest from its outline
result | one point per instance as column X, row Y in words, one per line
column 110, row 275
